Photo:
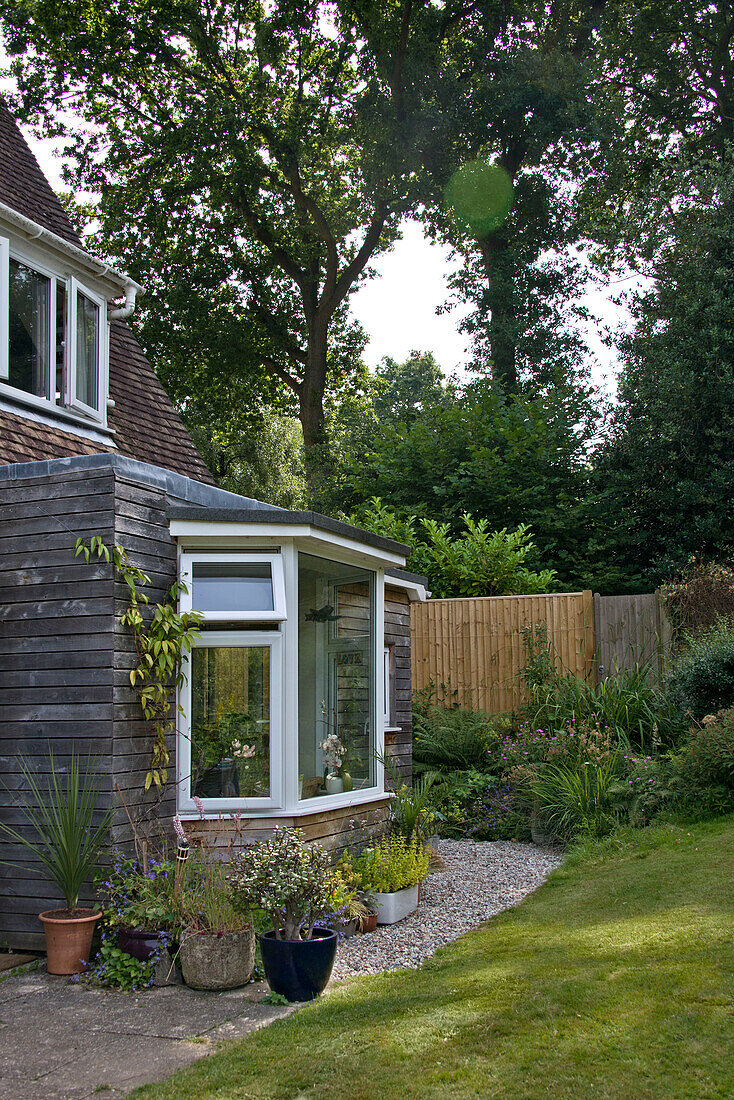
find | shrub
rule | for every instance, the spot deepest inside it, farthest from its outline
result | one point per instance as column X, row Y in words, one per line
column 707, row 759
column 455, row 797
column 392, row 864
column 451, row 740
column 701, row 680
column 699, row 596
column 138, row 897
column 115, row 969
column 498, row 814
column 292, row 881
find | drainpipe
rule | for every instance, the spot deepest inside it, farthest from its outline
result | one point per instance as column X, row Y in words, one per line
column 121, row 312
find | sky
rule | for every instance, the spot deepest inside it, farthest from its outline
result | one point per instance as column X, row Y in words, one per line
column 397, row 308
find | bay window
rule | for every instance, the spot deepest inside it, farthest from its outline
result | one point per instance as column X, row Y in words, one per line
column 282, row 704
column 53, row 336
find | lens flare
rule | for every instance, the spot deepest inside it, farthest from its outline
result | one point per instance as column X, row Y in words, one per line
column 479, row 197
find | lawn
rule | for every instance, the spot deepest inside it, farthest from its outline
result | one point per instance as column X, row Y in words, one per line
column 615, row 979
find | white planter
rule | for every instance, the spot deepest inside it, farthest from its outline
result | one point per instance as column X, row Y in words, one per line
column 394, row 907
column 334, row 784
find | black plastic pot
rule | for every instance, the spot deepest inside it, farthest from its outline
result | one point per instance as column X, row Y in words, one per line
column 298, row 969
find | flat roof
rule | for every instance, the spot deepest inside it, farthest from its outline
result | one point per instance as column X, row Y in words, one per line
column 194, row 500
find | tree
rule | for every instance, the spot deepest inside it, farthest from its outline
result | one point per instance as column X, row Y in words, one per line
column 250, row 159
column 669, row 463
column 475, row 562
column 530, row 115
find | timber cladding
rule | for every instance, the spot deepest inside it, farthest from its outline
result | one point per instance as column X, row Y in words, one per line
column 65, row 663
column 472, row 650
column 57, row 634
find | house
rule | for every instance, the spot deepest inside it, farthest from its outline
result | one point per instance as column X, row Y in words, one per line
column 306, row 620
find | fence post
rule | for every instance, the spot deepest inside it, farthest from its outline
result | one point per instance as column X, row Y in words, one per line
column 587, row 604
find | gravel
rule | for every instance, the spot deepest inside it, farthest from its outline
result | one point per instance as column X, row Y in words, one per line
column 481, row 878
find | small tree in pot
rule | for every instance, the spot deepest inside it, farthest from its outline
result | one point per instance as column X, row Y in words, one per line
column 294, row 883
column 71, row 835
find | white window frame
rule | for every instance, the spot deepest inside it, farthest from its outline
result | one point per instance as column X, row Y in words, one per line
column 68, row 402
column 73, row 288
column 4, row 308
column 212, row 806
column 387, row 687
column 275, row 561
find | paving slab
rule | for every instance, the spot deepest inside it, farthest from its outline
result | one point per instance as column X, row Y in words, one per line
column 64, row 1040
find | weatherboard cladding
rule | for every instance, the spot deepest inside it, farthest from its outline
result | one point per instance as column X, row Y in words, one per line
column 144, row 423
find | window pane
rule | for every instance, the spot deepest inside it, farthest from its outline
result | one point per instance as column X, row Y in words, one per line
column 87, row 350
column 234, row 587
column 30, row 296
column 336, row 704
column 60, row 364
column 230, row 721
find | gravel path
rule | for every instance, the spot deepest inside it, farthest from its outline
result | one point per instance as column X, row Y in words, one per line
column 481, row 878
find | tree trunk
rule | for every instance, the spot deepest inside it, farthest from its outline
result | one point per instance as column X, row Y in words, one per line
column 311, row 403
column 499, row 265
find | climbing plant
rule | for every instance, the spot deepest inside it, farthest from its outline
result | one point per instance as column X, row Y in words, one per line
column 161, row 639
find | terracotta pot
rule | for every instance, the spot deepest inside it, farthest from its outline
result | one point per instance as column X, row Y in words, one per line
column 68, row 938
column 369, row 923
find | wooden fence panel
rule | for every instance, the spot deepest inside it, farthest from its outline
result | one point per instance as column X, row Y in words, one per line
column 475, row 649
column 630, row 629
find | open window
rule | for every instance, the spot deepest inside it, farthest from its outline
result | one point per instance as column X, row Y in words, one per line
column 53, row 336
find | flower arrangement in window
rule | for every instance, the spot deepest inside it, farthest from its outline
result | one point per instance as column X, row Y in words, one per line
column 334, row 752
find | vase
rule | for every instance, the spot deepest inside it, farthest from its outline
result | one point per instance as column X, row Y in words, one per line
column 334, row 784
column 347, row 783
column 396, row 906
column 138, row 943
column 298, row 969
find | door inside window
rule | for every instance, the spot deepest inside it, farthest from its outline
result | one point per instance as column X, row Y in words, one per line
column 230, row 721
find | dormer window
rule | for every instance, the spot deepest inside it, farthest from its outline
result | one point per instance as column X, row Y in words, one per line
column 53, row 336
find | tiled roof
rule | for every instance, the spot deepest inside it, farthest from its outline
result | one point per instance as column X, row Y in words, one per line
column 24, row 186
column 146, row 425
column 24, row 440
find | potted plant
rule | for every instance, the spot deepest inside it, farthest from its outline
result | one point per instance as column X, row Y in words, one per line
column 392, row 871
column 334, row 753
column 71, row 836
column 139, row 903
column 217, row 948
column 294, row 883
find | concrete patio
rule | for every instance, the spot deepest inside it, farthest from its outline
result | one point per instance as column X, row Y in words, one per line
column 68, row 1041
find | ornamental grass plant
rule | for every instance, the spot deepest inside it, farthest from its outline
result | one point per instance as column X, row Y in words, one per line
column 71, row 831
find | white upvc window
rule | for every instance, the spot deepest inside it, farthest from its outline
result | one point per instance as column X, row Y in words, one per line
column 54, row 336
column 234, row 587
column 282, row 708
column 230, row 753
column 387, row 687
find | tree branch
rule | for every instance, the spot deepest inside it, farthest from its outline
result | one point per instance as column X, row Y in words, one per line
column 266, row 237
column 352, row 270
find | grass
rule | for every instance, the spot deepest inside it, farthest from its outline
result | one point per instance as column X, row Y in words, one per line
column 614, row 980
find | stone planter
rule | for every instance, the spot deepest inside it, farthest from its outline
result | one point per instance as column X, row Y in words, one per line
column 394, row 907
column 216, row 962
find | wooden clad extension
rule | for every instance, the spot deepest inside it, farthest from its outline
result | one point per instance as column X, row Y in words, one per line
column 474, row 647
column 56, row 659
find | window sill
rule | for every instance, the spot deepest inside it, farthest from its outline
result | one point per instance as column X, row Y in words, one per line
column 303, row 809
